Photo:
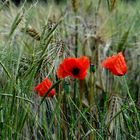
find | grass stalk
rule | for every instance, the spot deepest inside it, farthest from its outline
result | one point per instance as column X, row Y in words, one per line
column 131, row 99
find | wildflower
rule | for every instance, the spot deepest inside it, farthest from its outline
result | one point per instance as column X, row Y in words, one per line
column 43, row 87
column 74, row 67
column 116, row 64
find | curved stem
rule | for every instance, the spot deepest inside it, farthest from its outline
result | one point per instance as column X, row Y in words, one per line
column 128, row 92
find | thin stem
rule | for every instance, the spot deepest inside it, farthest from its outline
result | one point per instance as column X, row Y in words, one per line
column 86, row 121
column 74, row 98
column 76, row 36
column 128, row 92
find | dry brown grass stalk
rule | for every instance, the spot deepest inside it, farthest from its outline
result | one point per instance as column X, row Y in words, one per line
column 32, row 32
column 75, row 5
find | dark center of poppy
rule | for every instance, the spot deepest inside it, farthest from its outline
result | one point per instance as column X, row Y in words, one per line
column 75, row 71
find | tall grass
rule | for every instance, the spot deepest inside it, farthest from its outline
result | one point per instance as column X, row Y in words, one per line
column 35, row 38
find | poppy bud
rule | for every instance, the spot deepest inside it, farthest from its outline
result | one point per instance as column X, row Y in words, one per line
column 43, row 87
column 92, row 68
column 115, row 64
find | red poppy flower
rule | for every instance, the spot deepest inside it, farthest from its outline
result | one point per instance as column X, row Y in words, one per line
column 43, row 87
column 74, row 67
column 116, row 64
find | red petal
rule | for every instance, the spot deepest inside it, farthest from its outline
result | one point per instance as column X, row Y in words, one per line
column 61, row 73
column 51, row 93
column 43, row 87
column 84, row 61
column 116, row 64
column 68, row 64
column 82, row 75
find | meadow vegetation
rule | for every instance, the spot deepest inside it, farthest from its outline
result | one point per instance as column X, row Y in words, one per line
column 34, row 40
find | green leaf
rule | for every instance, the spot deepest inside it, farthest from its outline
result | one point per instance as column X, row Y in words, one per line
column 16, row 22
column 121, row 45
column 5, row 69
column 22, row 120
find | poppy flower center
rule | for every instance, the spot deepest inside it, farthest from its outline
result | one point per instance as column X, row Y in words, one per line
column 75, row 71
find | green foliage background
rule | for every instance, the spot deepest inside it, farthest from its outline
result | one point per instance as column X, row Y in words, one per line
column 35, row 38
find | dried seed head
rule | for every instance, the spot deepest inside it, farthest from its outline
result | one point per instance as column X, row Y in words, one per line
column 60, row 44
column 75, row 5
column 51, row 24
column 112, row 4
column 114, row 114
column 32, row 32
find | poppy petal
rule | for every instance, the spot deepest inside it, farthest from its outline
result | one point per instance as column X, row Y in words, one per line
column 43, row 87
column 69, row 64
column 84, row 61
column 82, row 75
column 116, row 64
column 61, row 73
column 74, row 67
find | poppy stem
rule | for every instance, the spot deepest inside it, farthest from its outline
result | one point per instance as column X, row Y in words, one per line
column 76, row 35
column 128, row 92
column 74, row 98
column 75, row 90
column 49, row 115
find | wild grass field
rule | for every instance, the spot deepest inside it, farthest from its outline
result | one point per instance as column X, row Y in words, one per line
column 44, row 41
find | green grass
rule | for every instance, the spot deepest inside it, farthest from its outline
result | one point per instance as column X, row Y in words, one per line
column 35, row 38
